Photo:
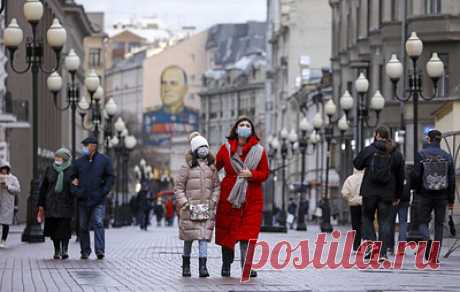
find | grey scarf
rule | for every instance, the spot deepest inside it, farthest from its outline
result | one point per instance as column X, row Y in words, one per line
column 238, row 193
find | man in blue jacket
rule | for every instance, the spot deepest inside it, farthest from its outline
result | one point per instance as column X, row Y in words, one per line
column 437, row 193
column 95, row 173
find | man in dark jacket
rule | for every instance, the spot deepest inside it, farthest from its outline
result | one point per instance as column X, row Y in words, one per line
column 383, row 191
column 95, row 173
column 433, row 200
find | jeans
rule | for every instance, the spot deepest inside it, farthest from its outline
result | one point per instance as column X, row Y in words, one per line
column 385, row 219
column 356, row 219
column 425, row 207
column 93, row 215
column 202, row 248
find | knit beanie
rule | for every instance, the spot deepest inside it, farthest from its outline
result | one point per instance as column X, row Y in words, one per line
column 197, row 142
column 64, row 153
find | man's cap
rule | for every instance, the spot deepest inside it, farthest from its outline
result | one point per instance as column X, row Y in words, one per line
column 435, row 135
column 89, row 140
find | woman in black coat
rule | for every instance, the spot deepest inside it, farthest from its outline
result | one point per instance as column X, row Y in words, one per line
column 56, row 201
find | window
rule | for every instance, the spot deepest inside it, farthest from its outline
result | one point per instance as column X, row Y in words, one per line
column 95, row 57
column 358, row 21
column 394, row 10
column 444, row 81
column 214, row 111
column 433, row 7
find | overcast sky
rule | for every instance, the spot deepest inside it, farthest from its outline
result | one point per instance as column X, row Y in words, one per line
column 178, row 13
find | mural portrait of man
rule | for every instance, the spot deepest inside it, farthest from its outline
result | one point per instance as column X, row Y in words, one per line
column 173, row 116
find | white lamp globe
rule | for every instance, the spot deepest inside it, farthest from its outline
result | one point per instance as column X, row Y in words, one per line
column 72, row 61
column 120, row 125
column 435, row 67
column 305, row 125
column 83, row 104
column 377, row 102
column 313, row 139
column 130, row 142
column 143, row 163
column 293, row 137
column 56, row 35
column 346, row 101
column 99, row 93
column 92, row 81
column 111, row 107
column 317, row 121
column 394, row 68
column 13, row 35
column 343, row 124
column 115, row 141
column 33, row 10
column 330, row 108
column 414, row 46
column 276, row 143
column 362, row 84
column 284, row 133
column 54, row 82
column 125, row 133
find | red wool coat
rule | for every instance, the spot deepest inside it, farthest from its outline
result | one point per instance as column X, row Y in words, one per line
column 234, row 224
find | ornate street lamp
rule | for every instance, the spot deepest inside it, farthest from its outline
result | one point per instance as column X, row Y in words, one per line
column 394, row 70
column 56, row 38
column 110, row 110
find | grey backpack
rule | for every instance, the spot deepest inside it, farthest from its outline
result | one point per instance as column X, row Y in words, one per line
column 435, row 173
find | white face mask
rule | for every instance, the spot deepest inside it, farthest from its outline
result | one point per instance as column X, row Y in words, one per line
column 202, row 152
column 58, row 162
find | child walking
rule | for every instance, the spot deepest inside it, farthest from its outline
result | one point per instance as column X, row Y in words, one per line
column 197, row 191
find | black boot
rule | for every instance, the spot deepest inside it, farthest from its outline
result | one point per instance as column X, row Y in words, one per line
column 186, row 267
column 227, row 259
column 202, row 268
column 65, row 249
column 57, row 249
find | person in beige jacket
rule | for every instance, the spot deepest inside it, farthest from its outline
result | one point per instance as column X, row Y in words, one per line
column 350, row 192
column 197, row 191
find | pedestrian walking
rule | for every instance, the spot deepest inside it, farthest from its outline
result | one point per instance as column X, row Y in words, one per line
column 239, row 211
column 95, row 174
column 197, row 192
column 169, row 212
column 55, row 204
column 159, row 211
column 9, row 188
column 144, row 206
column 351, row 193
column 292, row 209
column 434, row 181
column 382, row 185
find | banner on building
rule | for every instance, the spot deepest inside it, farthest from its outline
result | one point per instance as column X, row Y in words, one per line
column 172, row 117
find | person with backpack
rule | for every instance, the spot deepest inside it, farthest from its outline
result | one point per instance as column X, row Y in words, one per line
column 292, row 210
column 434, row 183
column 197, row 193
column 382, row 186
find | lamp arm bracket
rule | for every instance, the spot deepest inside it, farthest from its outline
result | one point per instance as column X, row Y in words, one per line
column 56, row 104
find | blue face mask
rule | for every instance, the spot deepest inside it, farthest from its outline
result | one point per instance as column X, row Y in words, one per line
column 244, row 132
column 85, row 150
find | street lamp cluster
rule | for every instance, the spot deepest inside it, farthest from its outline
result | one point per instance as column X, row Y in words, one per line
column 13, row 37
column 122, row 144
column 394, row 70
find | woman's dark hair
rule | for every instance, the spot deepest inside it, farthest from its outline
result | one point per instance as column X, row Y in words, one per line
column 383, row 132
column 233, row 132
column 194, row 163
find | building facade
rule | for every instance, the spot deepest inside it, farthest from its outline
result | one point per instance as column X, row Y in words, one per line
column 366, row 33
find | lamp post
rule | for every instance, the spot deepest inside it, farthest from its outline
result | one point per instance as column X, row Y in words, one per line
column 110, row 110
column 394, row 70
column 13, row 37
column 96, row 93
column 130, row 143
column 305, row 129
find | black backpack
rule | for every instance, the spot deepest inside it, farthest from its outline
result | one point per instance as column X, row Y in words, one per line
column 435, row 173
column 379, row 170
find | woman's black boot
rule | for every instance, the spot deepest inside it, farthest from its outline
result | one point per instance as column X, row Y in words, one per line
column 65, row 249
column 186, row 267
column 57, row 249
column 202, row 268
column 227, row 259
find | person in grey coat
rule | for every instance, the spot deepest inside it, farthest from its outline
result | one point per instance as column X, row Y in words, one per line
column 9, row 187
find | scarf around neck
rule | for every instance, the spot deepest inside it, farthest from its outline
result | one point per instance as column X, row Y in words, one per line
column 60, row 170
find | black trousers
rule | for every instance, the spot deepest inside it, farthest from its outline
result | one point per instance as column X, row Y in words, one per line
column 5, row 231
column 425, row 206
column 356, row 223
column 384, row 213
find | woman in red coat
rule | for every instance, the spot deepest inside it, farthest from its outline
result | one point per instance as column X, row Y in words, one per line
column 239, row 211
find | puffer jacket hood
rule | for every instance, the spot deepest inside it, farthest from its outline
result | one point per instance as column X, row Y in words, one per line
column 4, row 163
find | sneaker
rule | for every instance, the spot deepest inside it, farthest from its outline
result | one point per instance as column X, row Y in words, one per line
column 2, row 244
column 100, row 256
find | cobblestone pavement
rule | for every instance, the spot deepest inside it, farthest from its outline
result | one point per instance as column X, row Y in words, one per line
column 150, row 261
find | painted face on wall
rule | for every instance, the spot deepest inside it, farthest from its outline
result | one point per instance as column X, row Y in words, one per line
column 173, row 87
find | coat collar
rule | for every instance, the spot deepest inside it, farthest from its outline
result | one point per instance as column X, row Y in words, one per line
column 234, row 145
